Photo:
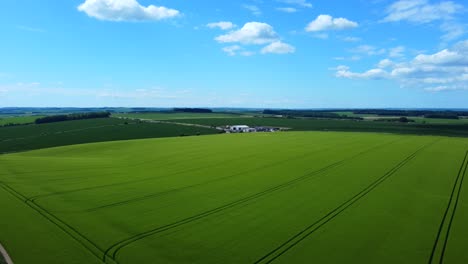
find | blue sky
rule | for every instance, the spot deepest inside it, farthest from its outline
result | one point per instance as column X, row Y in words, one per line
column 251, row 53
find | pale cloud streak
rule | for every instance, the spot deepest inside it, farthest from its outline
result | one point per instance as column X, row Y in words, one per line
column 224, row 25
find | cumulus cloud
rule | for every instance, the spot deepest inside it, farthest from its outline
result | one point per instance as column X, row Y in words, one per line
column 301, row 3
column 287, row 9
column 278, row 47
column 327, row 22
column 420, row 11
column 441, row 71
column 125, row 10
column 251, row 33
column 224, row 25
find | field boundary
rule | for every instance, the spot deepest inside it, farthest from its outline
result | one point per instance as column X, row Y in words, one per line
column 306, row 232
column 113, row 250
column 5, row 255
column 440, row 244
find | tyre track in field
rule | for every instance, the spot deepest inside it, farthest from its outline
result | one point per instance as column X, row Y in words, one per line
column 197, row 157
column 306, row 232
column 441, row 241
column 85, row 242
column 34, row 198
column 114, row 249
column 136, row 164
column 158, row 194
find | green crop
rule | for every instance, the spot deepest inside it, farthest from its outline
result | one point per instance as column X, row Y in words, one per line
column 295, row 197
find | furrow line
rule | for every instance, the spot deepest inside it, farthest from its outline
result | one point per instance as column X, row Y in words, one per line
column 73, row 233
column 112, row 251
column 449, row 212
column 306, row 232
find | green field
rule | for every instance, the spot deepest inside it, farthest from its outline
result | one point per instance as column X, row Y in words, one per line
column 460, row 130
column 18, row 120
column 27, row 137
column 175, row 116
column 296, row 197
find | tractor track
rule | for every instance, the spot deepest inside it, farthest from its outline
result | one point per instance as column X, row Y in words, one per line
column 453, row 199
column 306, row 232
column 158, row 194
column 113, row 250
column 69, row 230
column 34, row 198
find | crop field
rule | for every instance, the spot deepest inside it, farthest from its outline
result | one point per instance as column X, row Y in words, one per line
column 27, row 137
column 176, row 116
column 295, row 197
column 460, row 130
column 18, row 120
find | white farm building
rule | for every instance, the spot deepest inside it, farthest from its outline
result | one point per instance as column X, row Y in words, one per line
column 240, row 129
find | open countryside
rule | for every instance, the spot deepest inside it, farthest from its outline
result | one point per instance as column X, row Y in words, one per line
column 287, row 199
column 234, row 132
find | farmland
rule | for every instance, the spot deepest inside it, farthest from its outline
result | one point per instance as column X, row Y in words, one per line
column 17, row 120
column 292, row 197
column 175, row 115
column 459, row 129
column 27, row 137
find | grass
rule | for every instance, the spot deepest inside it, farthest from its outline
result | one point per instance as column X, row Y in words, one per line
column 18, row 120
column 176, row 116
column 28, row 137
column 246, row 198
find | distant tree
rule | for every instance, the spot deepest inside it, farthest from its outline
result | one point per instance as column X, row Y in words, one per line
column 79, row 116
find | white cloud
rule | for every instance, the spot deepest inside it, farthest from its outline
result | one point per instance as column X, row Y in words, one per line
column 287, row 9
column 251, row 33
column 441, row 71
column 421, row 11
column 224, row 25
column 327, row 22
column 125, row 10
column 278, row 47
column 385, row 63
column 344, row 72
column 254, row 9
column 396, row 52
column 232, row 50
column 301, row 3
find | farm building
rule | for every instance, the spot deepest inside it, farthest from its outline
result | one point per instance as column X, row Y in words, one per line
column 240, row 129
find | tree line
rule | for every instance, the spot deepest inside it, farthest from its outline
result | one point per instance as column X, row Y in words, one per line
column 69, row 117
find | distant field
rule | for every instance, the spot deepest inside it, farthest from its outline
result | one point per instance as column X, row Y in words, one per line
column 296, row 197
column 174, row 116
column 27, row 137
column 18, row 120
column 340, row 125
